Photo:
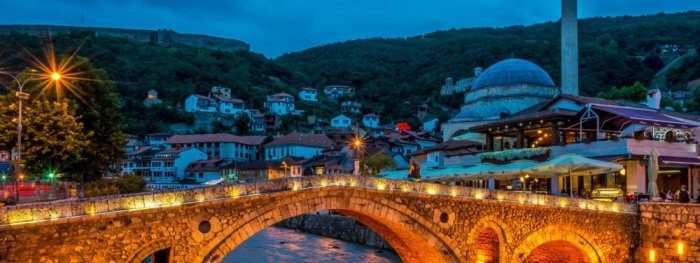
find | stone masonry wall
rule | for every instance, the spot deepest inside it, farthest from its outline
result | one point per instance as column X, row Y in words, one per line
column 422, row 222
column 664, row 226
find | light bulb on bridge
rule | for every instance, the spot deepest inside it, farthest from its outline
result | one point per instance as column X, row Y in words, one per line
column 56, row 76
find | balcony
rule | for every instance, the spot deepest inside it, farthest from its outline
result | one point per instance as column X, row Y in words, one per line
column 619, row 147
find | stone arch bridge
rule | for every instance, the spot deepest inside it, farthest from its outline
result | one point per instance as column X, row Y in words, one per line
column 423, row 222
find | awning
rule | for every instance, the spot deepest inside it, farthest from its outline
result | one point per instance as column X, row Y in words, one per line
column 645, row 116
column 679, row 160
column 560, row 166
column 575, row 165
column 609, row 158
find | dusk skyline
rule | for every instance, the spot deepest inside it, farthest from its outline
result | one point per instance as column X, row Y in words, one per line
column 275, row 27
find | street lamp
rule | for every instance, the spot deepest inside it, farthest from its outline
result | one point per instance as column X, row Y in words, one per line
column 22, row 96
column 357, row 144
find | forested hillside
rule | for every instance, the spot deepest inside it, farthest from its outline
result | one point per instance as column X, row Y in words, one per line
column 175, row 71
column 613, row 52
column 390, row 74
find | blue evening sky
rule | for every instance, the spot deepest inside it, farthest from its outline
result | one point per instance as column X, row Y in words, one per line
column 273, row 27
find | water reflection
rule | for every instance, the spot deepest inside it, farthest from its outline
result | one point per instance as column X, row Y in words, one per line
column 275, row 244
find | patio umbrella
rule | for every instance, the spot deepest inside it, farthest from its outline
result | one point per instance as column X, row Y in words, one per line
column 571, row 164
column 653, row 173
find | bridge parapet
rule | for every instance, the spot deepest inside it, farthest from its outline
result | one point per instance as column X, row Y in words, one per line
column 48, row 212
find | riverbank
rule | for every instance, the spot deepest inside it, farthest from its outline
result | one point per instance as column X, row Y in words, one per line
column 338, row 227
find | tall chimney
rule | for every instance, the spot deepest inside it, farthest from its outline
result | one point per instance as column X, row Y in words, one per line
column 569, row 47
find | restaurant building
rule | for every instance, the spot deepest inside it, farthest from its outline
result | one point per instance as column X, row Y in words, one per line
column 608, row 143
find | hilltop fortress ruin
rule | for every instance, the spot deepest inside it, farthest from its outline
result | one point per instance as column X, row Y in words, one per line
column 157, row 36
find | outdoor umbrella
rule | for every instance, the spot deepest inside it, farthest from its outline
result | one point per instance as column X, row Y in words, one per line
column 653, row 173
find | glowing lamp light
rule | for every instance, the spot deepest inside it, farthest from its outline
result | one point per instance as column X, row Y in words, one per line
column 539, row 131
column 680, row 248
column 652, row 255
column 623, row 172
column 56, row 76
column 381, row 186
column 357, row 143
column 432, row 191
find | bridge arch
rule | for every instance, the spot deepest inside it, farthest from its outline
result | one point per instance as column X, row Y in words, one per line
column 549, row 241
column 487, row 240
column 414, row 238
column 149, row 249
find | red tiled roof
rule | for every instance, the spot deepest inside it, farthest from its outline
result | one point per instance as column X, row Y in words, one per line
column 451, row 145
column 213, row 165
column 174, row 150
column 216, row 137
column 202, row 97
column 140, row 150
column 303, row 139
column 626, row 103
column 232, row 100
column 282, row 94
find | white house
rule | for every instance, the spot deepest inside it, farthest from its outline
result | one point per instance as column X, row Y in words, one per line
column 155, row 139
column 370, row 120
column 224, row 146
column 229, row 106
column 204, row 171
column 341, row 121
column 297, row 145
column 335, row 91
column 280, row 103
column 221, row 92
column 257, row 121
column 308, row 94
column 169, row 166
column 199, row 103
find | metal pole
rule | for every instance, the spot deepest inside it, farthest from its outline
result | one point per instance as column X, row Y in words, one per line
column 19, row 142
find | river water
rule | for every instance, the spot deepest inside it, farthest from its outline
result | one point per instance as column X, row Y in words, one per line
column 275, row 244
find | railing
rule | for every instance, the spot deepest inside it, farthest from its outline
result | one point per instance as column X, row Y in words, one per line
column 49, row 211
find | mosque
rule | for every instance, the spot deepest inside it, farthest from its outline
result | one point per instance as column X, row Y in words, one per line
column 511, row 86
column 503, row 89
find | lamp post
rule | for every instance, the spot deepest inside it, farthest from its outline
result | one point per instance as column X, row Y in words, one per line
column 21, row 96
column 357, row 144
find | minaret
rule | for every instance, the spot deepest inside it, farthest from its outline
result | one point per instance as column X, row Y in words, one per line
column 569, row 47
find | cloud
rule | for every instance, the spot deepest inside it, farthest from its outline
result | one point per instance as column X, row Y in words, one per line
column 273, row 27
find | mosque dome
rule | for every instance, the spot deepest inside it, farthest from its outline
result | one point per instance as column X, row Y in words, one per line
column 513, row 72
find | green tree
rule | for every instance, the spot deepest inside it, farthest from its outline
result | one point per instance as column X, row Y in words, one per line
column 98, row 107
column 695, row 103
column 52, row 136
column 637, row 92
column 376, row 163
column 101, row 187
column 242, row 124
column 130, row 183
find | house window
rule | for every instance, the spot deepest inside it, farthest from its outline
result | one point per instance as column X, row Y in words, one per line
column 201, row 175
column 168, row 164
column 345, row 121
